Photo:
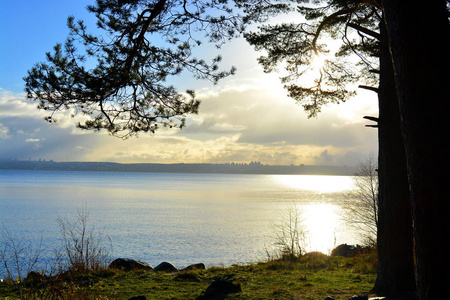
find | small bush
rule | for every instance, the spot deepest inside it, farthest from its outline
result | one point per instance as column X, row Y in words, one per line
column 86, row 249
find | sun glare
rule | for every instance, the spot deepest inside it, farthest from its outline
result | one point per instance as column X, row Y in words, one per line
column 318, row 62
column 316, row 183
column 320, row 222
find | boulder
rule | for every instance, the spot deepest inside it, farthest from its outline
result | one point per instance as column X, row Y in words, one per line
column 166, row 267
column 219, row 289
column 200, row 266
column 345, row 250
column 128, row 264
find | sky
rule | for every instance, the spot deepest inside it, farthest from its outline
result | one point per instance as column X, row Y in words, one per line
column 244, row 118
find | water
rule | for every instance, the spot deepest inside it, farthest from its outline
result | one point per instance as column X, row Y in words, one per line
column 217, row 219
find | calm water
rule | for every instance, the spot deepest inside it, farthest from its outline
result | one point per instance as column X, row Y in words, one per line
column 217, row 219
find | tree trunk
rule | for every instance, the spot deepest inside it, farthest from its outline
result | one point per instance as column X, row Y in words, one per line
column 395, row 235
column 418, row 34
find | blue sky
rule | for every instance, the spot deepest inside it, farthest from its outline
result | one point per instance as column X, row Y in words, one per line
column 244, row 118
column 29, row 29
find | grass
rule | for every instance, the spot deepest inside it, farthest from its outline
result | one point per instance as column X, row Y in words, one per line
column 312, row 276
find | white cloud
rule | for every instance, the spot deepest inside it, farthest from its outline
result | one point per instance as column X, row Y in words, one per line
column 32, row 140
column 14, row 105
column 17, row 105
column 4, row 132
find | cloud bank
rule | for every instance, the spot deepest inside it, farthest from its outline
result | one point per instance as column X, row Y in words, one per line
column 238, row 122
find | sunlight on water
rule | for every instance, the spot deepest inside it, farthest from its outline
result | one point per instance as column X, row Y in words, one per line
column 317, row 183
column 320, row 222
column 321, row 217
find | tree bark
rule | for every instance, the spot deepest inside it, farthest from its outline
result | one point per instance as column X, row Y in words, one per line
column 418, row 35
column 394, row 232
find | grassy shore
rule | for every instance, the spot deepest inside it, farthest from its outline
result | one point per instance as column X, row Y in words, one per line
column 312, row 276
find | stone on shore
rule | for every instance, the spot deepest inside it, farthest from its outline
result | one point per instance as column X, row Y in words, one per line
column 166, row 267
column 345, row 250
column 199, row 266
column 128, row 264
column 219, row 289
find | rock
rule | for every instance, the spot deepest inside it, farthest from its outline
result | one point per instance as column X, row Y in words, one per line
column 166, row 267
column 219, row 289
column 200, row 266
column 345, row 250
column 328, row 298
column 138, row 298
column 128, row 264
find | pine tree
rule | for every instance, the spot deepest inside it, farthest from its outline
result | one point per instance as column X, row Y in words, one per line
column 118, row 78
column 296, row 46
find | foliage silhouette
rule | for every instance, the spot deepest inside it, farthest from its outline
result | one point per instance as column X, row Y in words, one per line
column 118, row 79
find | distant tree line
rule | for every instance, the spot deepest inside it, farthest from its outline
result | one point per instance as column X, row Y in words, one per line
column 233, row 168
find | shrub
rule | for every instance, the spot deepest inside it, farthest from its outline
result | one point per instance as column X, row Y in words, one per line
column 86, row 249
column 289, row 235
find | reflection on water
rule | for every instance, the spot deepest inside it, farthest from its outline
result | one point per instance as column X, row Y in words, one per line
column 321, row 212
column 321, row 222
column 316, row 183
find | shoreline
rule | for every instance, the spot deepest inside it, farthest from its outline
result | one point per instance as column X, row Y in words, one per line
column 310, row 276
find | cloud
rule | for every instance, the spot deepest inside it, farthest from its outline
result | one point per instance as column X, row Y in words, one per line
column 262, row 117
column 29, row 136
column 237, row 122
column 4, row 132
column 32, row 140
column 13, row 105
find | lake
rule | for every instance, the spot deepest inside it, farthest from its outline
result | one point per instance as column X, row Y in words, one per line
column 216, row 219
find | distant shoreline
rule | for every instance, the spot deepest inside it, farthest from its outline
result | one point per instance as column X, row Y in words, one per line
column 226, row 168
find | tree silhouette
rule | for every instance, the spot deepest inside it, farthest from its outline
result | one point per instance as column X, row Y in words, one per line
column 421, row 63
column 118, row 78
column 363, row 206
column 360, row 27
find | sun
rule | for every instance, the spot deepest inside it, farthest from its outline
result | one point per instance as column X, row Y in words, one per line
column 318, row 62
